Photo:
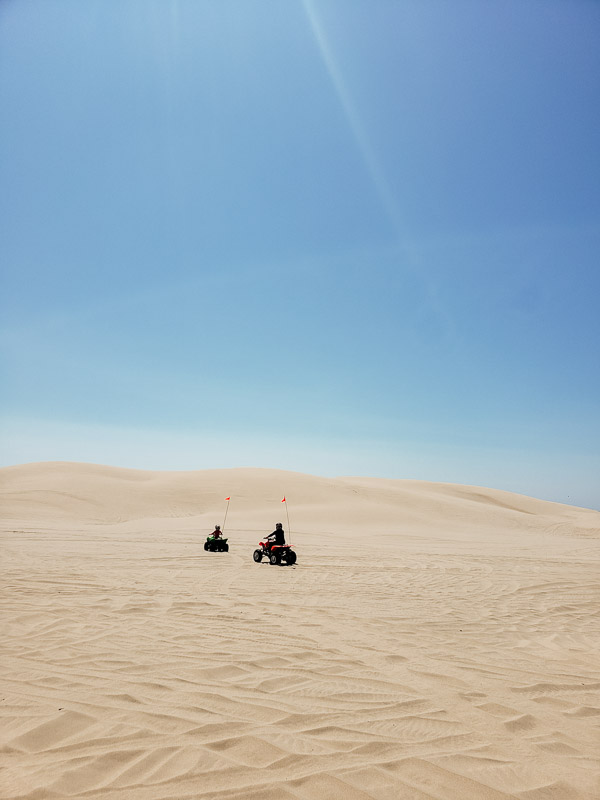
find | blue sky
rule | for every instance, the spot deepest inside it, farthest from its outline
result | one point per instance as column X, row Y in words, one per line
column 338, row 237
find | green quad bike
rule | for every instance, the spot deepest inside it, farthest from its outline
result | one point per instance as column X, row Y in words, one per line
column 213, row 545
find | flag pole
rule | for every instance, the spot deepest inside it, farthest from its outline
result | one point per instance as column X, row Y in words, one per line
column 288, row 518
column 226, row 510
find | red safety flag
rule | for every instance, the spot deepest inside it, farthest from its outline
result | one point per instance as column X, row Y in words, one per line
column 283, row 501
column 228, row 498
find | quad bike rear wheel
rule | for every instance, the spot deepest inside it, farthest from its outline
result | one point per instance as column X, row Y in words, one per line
column 274, row 558
column 291, row 557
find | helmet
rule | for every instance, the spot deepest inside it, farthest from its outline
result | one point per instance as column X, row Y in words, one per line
column 279, row 525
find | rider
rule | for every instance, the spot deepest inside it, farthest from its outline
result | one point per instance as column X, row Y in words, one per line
column 277, row 537
column 216, row 534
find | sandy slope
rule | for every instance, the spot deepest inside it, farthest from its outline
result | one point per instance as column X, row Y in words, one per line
column 433, row 641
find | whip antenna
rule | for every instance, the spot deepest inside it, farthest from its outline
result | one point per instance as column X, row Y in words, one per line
column 226, row 510
column 288, row 518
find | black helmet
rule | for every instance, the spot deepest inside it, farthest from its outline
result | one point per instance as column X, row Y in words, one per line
column 279, row 525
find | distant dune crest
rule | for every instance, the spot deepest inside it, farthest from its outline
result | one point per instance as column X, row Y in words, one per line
column 62, row 491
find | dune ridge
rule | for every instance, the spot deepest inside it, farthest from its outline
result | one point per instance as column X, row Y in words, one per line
column 433, row 641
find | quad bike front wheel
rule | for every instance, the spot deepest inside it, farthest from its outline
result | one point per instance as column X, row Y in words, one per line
column 257, row 556
column 274, row 558
column 206, row 545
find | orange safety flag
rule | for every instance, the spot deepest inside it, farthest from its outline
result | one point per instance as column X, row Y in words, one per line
column 283, row 501
column 228, row 498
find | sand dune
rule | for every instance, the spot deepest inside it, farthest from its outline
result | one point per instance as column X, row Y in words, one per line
column 433, row 640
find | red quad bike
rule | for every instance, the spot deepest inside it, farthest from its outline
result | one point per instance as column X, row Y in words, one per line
column 276, row 554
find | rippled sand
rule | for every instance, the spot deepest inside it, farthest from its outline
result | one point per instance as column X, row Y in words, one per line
column 433, row 641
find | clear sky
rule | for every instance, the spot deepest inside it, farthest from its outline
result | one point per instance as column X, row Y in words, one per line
column 344, row 237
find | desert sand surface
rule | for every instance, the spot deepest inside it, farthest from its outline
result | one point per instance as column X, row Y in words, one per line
column 433, row 640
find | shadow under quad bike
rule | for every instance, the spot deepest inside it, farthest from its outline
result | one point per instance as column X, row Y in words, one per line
column 277, row 553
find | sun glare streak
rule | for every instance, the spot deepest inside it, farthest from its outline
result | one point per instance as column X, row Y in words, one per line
column 376, row 173
column 372, row 164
